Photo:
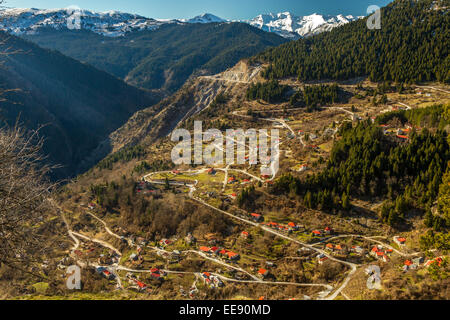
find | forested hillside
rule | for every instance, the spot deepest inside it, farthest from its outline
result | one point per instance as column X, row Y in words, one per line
column 412, row 46
column 77, row 104
column 365, row 163
column 164, row 58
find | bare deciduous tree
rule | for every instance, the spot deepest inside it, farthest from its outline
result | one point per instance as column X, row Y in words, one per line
column 24, row 194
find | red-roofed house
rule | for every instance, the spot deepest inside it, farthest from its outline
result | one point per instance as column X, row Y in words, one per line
column 263, row 273
column 257, row 217
column 400, row 241
column 316, row 233
column 244, row 234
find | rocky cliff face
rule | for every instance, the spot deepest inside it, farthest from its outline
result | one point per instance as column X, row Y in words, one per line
column 195, row 96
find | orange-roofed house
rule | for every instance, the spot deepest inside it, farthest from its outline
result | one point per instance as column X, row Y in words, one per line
column 316, row 233
column 263, row 273
column 204, row 249
column 257, row 217
column 233, row 256
column 244, row 234
column 293, row 226
column 400, row 241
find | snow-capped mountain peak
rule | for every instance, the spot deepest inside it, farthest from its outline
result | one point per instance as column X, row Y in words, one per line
column 109, row 23
column 205, row 18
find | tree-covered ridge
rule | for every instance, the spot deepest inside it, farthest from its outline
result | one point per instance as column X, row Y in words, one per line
column 412, row 46
column 366, row 163
column 310, row 96
column 271, row 91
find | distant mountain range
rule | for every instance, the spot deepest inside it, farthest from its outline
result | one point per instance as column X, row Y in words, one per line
column 289, row 26
column 115, row 24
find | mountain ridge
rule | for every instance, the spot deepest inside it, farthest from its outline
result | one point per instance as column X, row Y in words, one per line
column 116, row 24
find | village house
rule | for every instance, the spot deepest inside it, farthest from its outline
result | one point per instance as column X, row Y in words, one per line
column 303, row 167
column 164, row 242
column 438, row 261
column 232, row 180
column 245, row 234
column 321, row 258
column 379, row 253
column 190, row 239
column 263, row 273
column 212, row 171
column 328, row 230
column 293, row 226
column 108, row 275
column 316, row 233
column 257, row 217
column 399, row 240
column 358, row 249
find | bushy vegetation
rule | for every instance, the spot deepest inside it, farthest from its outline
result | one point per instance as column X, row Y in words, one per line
column 158, row 165
column 410, row 47
column 124, row 155
column 315, row 96
column 160, row 215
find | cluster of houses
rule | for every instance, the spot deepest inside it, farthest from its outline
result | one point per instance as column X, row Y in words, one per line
column 401, row 134
column 144, row 187
column 334, row 248
column 412, row 264
column 289, row 228
column 380, row 253
column 437, row 260
column 220, row 252
column 211, row 280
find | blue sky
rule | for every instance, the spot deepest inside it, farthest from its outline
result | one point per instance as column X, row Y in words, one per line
column 228, row 9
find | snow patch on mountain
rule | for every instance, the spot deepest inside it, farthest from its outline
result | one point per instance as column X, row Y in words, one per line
column 110, row 23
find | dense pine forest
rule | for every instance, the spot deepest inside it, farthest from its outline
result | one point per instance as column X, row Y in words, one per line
column 310, row 96
column 412, row 46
